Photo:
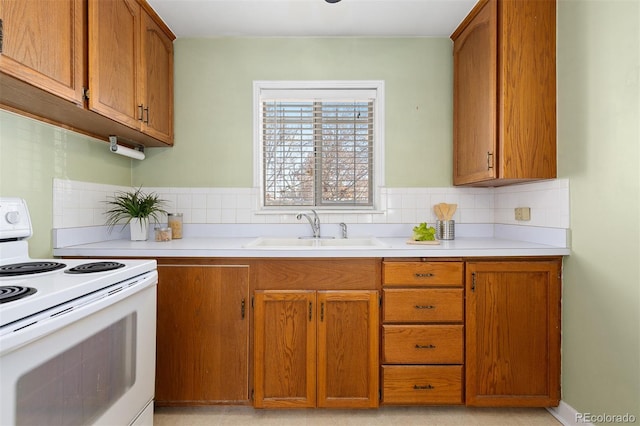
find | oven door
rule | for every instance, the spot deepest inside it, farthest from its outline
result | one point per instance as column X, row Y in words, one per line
column 93, row 364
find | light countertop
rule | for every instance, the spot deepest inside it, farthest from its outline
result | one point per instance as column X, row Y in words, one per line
column 236, row 248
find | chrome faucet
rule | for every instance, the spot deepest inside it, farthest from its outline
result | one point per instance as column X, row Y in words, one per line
column 314, row 222
column 343, row 227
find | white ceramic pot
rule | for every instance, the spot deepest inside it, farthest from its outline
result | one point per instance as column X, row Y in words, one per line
column 139, row 229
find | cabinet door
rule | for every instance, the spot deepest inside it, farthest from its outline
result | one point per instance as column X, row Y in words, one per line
column 43, row 44
column 475, row 99
column 114, row 31
column 157, row 82
column 513, row 333
column 203, row 334
column 285, row 349
column 527, row 82
column 348, row 349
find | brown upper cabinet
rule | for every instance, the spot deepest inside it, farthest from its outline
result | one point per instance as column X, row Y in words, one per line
column 94, row 66
column 42, row 44
column 130, row 67
column 504, row 122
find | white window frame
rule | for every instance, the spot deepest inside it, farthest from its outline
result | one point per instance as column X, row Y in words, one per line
column 379, row 131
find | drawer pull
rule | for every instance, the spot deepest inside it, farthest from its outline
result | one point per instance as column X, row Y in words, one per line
column 422, row 387
column 425, row 307
column 426, row 275
column 425, row 346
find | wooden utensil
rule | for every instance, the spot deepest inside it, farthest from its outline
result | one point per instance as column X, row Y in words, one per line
column 438, row 211
column 444, row 209
column 451, row 211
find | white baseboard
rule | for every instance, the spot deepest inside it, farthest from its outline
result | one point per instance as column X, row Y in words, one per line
column 567, row 415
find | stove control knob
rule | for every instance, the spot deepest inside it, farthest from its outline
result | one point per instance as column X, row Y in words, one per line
column 13, row 217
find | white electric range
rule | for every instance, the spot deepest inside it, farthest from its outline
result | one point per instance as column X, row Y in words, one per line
column 77, row 336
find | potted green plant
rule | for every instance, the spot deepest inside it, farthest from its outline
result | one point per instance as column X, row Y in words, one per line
column 136, row 209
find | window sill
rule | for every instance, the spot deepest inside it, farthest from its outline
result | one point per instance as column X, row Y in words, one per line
column 319, row 211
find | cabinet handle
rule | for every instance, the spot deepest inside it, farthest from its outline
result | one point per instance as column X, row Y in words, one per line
column 322, row 312
column 242, row 308
column 310, row 310
column 147, row 111
column 1, row 35
column 422, row 387
column 473, row 282
column 140, row 112
column 489, row 160
column 426, row 275
column 425, row 346
column 424, row 307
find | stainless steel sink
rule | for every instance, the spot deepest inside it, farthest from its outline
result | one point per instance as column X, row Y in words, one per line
column 315, row 243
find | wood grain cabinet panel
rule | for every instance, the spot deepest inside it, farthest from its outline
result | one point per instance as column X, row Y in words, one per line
column 348, row 349
column 157, row 83
column 114, row 64
column 513, row 333
column 422, row 305
column 43, row 44
column 505, row 93
column 316, row 348
column 423, row 344
column 284, row 349
column 422, row 332
column 423, row 274
column 422, row 385
column 131, row 67
column 97, row 67
column 202, row 335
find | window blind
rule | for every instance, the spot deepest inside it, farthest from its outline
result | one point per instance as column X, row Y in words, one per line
column 318, row 152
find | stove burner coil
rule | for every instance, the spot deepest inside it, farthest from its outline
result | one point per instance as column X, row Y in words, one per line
column 88, row 268
column 28, row 268
column 9, row 293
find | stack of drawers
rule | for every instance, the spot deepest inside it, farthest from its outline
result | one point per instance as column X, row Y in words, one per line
column 422, row 332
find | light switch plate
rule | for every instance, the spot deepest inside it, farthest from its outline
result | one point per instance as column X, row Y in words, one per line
column 523, row 213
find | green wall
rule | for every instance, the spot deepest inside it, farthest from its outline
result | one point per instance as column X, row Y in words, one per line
column 32, row 154
column 214, row 104
column 598, row 149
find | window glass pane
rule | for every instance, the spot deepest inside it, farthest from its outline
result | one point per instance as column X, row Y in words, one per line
column 317, row 153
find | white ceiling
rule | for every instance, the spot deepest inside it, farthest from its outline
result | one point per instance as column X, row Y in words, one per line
column 312, row 18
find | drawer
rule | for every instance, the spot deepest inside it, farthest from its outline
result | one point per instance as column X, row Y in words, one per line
column 423, row 344
column 422, row 305
column 424, row 384
column 439, row 274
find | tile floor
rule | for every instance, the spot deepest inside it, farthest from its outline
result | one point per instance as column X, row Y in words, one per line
column 387, row 416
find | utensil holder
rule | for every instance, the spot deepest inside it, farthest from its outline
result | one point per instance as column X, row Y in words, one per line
column 445, row 229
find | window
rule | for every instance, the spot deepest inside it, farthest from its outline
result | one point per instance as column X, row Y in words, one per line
column 318, row 143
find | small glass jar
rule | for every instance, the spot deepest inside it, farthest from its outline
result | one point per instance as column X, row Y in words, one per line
column 175, row 223
column 163, row 234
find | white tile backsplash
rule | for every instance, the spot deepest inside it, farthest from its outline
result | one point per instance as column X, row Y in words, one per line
column 81, row 204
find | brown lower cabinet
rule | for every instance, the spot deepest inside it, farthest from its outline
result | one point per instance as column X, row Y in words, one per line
column 202, row 335
column 422, row 384
column 476, row 331
column 513, row 333
column 316, row 348
column 422, row 332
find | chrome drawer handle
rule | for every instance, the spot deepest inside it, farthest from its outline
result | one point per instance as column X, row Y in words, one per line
column 425, row 307
column 422, row 387
column 425, row 346
column 426, row 275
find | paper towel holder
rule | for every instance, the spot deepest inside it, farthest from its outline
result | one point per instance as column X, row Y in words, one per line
column 136, row 154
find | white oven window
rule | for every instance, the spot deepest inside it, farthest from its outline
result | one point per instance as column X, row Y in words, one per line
column 81, row 383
